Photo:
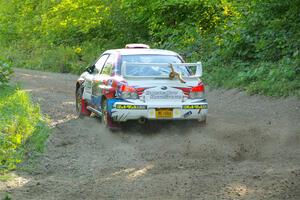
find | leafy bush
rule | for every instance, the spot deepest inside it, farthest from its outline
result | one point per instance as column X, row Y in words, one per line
column 241, row 45
column 22, row 128
column 5, row 71
column 273, row 79
column 55, row 59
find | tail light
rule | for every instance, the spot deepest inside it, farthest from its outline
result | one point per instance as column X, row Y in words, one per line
column 128, row 92
column 197, row 92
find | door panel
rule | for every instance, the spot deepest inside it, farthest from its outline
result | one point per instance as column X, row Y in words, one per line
column 87, row 92
column 99, row 82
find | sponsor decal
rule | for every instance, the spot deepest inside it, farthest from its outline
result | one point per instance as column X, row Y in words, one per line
column 187, row 114
column 163, row 95
column 195, row 106
column 110, row 104
column 110, row 82
column 131, row 107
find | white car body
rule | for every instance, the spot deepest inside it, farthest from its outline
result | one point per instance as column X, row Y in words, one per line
column 148, row 84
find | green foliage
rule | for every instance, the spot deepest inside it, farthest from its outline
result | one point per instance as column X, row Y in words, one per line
column 259, row 50
column 22, row 128
column 236, row 40
column 268, row 31
column 7, row 197
column 5, row 71
column 273, row 79
column 279, row 80
column 72, row 22
column 182, row 24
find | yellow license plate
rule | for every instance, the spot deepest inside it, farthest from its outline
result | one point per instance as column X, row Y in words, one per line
column 164, row 113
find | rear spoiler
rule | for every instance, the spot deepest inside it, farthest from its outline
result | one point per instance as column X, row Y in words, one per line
column 197, row 74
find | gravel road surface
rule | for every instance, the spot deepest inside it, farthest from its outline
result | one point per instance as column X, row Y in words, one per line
column 249, row 149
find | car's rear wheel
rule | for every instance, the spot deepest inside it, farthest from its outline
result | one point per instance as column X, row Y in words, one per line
column 107, row 119
column 202, row 122
column 81, row 105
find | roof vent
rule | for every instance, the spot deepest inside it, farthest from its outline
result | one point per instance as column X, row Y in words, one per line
column 137, row 46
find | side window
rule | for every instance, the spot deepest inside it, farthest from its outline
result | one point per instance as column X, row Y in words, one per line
column 108, row 67
column 100, row 62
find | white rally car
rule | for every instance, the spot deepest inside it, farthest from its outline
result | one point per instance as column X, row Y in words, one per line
column 139, row 83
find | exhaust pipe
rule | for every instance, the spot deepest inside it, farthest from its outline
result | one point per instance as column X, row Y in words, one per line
column 97, row 112
column 142, row 120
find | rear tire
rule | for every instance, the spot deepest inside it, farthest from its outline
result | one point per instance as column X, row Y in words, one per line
column 202, row 122
column 81, row 105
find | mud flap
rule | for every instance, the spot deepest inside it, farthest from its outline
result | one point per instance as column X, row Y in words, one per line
column 84, row 110
column 112, row 125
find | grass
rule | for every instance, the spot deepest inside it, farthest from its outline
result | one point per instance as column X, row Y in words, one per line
column 279, row 79
column 5, row 177
column 23, row 130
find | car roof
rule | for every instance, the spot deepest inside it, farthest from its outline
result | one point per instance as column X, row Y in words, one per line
column 138, row 51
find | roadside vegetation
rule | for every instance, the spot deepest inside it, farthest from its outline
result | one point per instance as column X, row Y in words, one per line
column 251, row 45
column 23, row 130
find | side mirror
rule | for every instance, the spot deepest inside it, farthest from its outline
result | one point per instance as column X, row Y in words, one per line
column 90, row 69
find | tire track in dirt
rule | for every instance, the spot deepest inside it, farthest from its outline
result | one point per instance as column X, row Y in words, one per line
column 248, row 150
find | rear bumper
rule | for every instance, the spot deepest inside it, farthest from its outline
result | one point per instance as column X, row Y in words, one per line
column 192, row 109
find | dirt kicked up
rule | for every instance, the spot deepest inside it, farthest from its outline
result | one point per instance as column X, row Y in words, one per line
column 250, row 149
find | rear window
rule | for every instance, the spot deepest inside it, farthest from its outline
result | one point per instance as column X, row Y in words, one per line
column 154, row 70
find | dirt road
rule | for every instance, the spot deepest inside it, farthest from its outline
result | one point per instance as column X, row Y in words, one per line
column 250, row 149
